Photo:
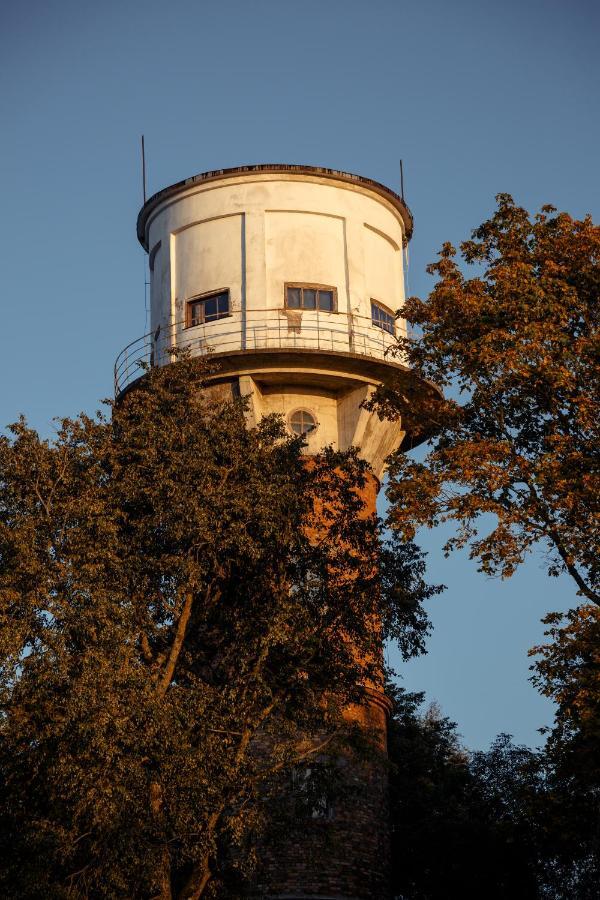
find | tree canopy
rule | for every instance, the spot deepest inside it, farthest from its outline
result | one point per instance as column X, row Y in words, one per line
column 517, row 348
column 512, row 461
column 186, row 608
column 504, row 822
column 567, row 670
column 462, row 823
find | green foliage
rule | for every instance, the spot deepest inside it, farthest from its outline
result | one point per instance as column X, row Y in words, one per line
column 186, row 607
column 508, row 821
column 483, row 824
column 518, row 346
column 567, row 670
column 519, row 343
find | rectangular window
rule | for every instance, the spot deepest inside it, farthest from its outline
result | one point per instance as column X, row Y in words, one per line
column 311, row 296
column 203, row 310
column 312, row 789
column 382, row 317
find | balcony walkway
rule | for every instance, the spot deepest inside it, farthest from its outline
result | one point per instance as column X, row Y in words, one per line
column 335, row 333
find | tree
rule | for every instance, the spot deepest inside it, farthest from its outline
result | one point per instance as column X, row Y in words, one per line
column 463, row 824
column 429, row 778
column 519, row 346
column 186, row 608
column 515, row 444
column 507, row 821
column 567, row 670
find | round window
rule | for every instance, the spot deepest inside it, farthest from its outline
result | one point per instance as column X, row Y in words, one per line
column 302, row 422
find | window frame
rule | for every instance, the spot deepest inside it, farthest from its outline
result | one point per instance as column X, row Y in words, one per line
column 309, row 412
column 201, row 298
column 388, row 312
column 309, row 286
column 323, row 807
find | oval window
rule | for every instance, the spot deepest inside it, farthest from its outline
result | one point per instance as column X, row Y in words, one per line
column 302, row 421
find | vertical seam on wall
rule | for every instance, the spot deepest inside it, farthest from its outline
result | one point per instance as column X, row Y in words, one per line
column 347, row 277
column 173, row 279
column 243, row 287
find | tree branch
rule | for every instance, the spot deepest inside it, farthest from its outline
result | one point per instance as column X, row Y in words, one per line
column 182, row 624
column 164, row 875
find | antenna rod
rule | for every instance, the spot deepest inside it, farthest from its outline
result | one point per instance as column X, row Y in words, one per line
column 401, row 180
column 144, row 168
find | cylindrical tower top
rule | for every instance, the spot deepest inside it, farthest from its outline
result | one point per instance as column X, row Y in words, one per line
column 279, row 257
column 292, row 277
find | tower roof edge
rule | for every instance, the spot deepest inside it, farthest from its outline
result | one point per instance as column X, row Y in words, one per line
column 273, row 168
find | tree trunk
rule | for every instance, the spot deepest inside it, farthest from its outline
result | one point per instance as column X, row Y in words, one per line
column 164, row 872
column 196, row 884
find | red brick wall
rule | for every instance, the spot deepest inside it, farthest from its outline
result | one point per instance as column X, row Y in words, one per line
column 345, row 857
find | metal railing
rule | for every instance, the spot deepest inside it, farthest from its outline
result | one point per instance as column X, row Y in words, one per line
column 339, row 332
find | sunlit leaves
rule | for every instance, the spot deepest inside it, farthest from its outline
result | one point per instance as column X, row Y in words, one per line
column 187, row 607
column 517, row 349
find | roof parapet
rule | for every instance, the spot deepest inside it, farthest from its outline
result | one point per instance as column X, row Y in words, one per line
column 273, row 168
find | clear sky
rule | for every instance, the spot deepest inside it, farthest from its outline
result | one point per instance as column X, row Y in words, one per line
column 477, row 97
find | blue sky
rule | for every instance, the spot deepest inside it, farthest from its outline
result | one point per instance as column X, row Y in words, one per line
column 476, row 97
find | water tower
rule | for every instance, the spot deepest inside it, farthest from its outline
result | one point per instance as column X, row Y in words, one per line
column 290, row 276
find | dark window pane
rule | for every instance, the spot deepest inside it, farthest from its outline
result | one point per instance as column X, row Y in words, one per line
column 293, row 298
column 210, row 309
column 326, row 300
column 309, row 299
column 223, row 304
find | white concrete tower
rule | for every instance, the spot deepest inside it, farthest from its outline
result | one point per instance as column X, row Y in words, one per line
column 291, row 275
